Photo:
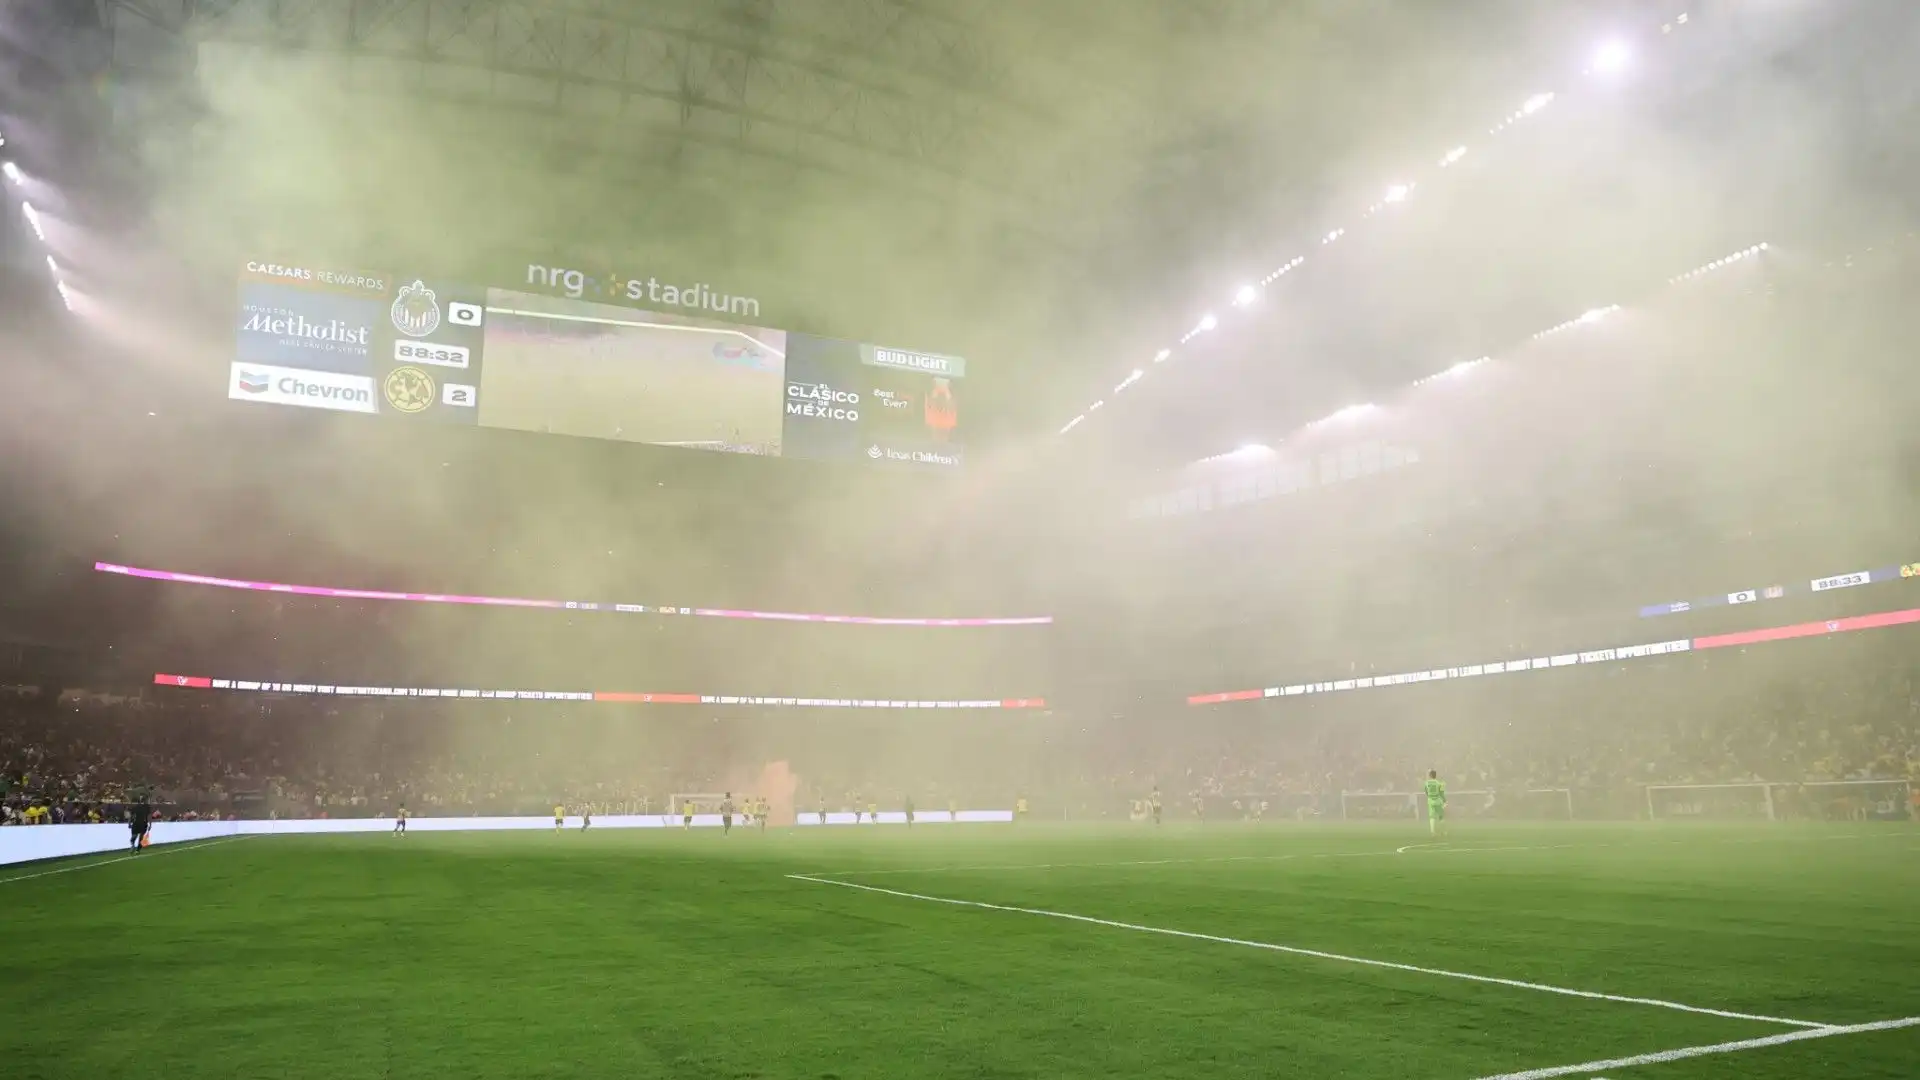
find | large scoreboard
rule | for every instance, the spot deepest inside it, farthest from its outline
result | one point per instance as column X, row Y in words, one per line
column 422, row 349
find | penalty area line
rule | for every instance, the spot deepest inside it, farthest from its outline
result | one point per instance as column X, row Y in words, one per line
column 171, row 849
column 1661, row 1057
column 1293, row 950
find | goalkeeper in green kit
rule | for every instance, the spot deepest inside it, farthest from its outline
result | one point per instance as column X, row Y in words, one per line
column 1436, row 801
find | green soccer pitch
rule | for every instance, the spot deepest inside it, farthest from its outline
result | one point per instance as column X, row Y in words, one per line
column 1322, row 952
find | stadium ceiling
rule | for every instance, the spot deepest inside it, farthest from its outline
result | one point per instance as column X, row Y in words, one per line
column 1086, row 171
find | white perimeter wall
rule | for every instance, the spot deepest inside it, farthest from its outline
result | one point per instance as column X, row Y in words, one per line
column 27, row 843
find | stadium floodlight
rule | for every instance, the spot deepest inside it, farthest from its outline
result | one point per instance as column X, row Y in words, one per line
column 12, row 172
column 1161, row 356
column 1240, row 453
column 66, row 297
column 1095, row 407
column 1453, row 155
column 1611, row 57
column 1535, row 103
column 33, row 219
column 1348, row 413
column 1398, row 193
column 1246, row 295
column 1074, row 423
column 1209, row 321
column 1130, row 380
column 1588, row 318
column 1332, row 236
column 52, row 266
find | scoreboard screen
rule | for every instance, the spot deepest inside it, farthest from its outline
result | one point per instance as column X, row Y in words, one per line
column 426, row 350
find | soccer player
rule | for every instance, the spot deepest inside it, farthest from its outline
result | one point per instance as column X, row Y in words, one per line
column 686, row 811
column 953, row 811
column 726, row 815
column 559, row 817
column 586, row 818
column 823, row 809
column 1436, row 801
column 909, row 811
column 1153, row 801
column 764, row 808
column 400, row 821
column 1020, row 808
column 873, row 811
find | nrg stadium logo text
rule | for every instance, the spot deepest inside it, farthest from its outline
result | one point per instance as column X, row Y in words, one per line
column 697, row 296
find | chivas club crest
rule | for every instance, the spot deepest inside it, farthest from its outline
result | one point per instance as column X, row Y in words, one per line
column 416, row 313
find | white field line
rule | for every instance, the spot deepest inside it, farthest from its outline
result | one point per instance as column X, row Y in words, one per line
column 1318, row 954
column 1661, row 1057
column 150, row 853
column 1425, row 848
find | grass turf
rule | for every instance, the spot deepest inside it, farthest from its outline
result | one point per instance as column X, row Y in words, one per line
column 629, row 954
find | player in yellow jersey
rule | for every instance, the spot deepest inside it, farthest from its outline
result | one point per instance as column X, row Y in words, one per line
column 559, row 817
column 1020, row 808
column 686, row 815
column 873, row 812
column 400, row 821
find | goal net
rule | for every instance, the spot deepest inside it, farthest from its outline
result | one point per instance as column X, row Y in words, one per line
column 1710, row 802
column 1531, row 804
column 1380, row 806
column 1843, row 800
column 709, row 802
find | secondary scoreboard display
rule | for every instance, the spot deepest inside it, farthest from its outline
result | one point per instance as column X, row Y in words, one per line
column 427, row 350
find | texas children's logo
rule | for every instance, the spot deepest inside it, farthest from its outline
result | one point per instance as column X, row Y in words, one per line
column 416, row 311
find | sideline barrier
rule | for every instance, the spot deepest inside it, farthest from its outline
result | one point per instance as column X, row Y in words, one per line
column 558, row 605
column 33, row 843
column 1876, row 621
column 625, row 697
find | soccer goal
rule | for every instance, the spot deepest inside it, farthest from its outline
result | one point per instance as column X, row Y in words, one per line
column 1380, row 806
column 682, row 803
column 1810, row 800
column 1530, row 804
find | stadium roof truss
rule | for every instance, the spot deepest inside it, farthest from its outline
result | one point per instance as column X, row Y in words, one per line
column 924, row 103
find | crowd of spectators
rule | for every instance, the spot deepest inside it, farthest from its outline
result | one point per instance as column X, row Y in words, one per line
column 1838, row 708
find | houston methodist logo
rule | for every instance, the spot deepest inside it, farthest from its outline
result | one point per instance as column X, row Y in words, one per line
column 416, row 312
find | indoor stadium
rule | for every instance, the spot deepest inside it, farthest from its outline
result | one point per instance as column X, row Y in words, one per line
column 835, row 539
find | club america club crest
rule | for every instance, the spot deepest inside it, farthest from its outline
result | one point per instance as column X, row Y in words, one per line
column 415, row 311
